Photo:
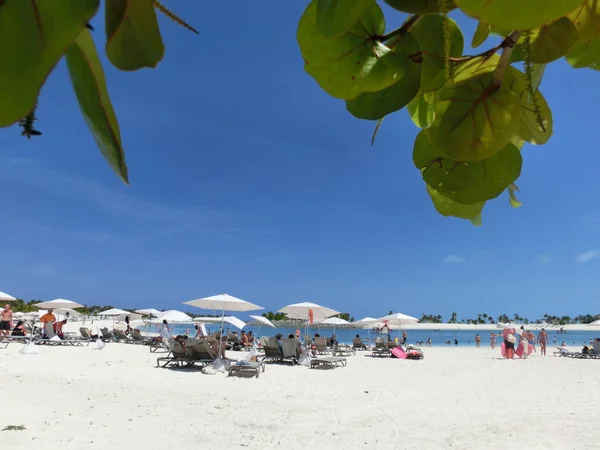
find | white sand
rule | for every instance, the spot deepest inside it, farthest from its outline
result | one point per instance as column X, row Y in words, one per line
column 466, row 398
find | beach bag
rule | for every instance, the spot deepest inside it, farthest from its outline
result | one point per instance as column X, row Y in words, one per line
column 30, row 349
column 98, row 345
column 304, row 359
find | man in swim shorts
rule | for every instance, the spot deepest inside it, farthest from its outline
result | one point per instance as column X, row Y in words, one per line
column 5, row 319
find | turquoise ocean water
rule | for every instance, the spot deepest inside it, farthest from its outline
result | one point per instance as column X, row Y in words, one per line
column 438, row 337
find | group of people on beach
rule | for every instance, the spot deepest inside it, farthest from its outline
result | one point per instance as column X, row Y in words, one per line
column 525, row 338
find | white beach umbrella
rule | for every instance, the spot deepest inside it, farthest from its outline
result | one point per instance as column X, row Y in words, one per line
column 367, row 321
column 223, row 302
column 4, row 297
column 172, row 316
column 264, row 321
column 65, row 311
column 148, row 312
column 234, row 321
column 113, row 312
column 59, row 303
column 302, row 311
column 399, row 320
column 206, row 319
column 334, row 321
column 132, row 316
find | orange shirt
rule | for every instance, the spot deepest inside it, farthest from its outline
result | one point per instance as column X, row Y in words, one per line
column 48, row 317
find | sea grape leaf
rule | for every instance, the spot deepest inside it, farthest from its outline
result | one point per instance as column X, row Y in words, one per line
column 421, row 6
column 475, row 181
column 375, row 105
column 334, row 17
column 548, row 42
column 537, row 73
column 586, row 19
column 34, row 36
column 431, row 40
column 517, row 15
column 449, row 208
column 133, row 39
column 89, row 84
column 473, row 121
column 512, row 198
column 424, row 152
column 421, row 109
column 477, row 220
column 353, row 62
column 533, row 129
column 482, row 32
column 585, row 54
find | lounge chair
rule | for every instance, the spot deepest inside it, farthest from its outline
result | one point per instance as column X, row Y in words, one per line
column 561, row 351
column 343, row 350
column 358, row 344
column 381, row 348
column 287, row 352
column 106, row 335
column 120, row 336
column 137, row 338
column 331, row 361
column 253, row 367
column 321, row 346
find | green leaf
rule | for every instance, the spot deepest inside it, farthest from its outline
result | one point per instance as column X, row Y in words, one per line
column 477, row 220
column 133, row 39
column 512, row 198
column 337, row 16
column 449, row 208
column 548, row 43
column 476, row 181
column 422, row 109
column 351, row 63
column 482, row 32
column 517, row 15
column 534, row 127
column 34, row 36
column 537, row 73
column 421, row 6
column 473, row 121
column 375, row 105
column 585, row 55
column 376, row 130
column 428, row 31
column 89, row 84
column 424, row 152
column 586, row 19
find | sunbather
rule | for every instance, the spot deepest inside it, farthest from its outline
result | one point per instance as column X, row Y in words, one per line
column 19, row 329
column 58, row 326
column 298, row 344
column 218, row 347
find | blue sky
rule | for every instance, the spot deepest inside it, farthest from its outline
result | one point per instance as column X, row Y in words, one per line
column 246, row 178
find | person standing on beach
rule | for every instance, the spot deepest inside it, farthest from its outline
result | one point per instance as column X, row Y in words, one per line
column 5, row 320
column 477, row 340
column 48, row 320
column 543, row 341
column 493, row 340
column 509, row 342
column 404, row 337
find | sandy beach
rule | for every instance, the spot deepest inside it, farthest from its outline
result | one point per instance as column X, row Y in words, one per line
column 77, row 398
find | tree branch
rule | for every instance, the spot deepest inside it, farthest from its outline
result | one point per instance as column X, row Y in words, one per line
column 405, row 28
column 507, row 45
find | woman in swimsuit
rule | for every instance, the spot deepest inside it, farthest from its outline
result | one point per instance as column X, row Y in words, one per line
column 543, row 341
column 492, row 340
